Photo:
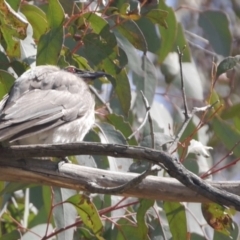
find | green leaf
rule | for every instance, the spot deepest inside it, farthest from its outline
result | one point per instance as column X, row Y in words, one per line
column 215, row 99
column 231, row 112
column 49, row 47
column 124, row 127
column 138, row 231
column 100, row 46
column 50, row 44
column 134, row 62
column 122, row 88
column 125, row 8
column 64, row 214
column 12, row 20
column 150, row 34
column 4, row 61
column 88, row 213
column 46, row 197
column 111, row 135
column 98, row 24
column 124, row 12
column 6, row 82
column 12, row 187
column 101, row 53
column 13, row 27
column 234, row 233
column 218, row 217
column 161, row 141
column 133, row 33
column 81, row 61
column 145, row 81
column 13, row 235
column 38, row 230
column 36, row 198
column 167, row 35
column 55, row 14
column 176, row 216
column 40, row 217
column 141, row 222
column 84, row 233
column 228, row 135
column 14, row 4
column 90, row 160
column 227, row 64
column 68, row 6
column 215, row 25
column 2, row 190
column 37, row 18
column 13, row 46
column 19, row 67
column 158, row 16
column 236, row 7
column 127, row 231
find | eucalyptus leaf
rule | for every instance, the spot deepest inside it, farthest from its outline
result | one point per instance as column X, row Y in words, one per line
column 215, row 25
column 227, row 64
column 64, row 214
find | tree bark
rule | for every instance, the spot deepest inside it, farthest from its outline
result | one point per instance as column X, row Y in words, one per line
column 82, row 178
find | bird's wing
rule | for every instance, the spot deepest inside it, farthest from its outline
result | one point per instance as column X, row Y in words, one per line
column 3, row 101
column 39, row 110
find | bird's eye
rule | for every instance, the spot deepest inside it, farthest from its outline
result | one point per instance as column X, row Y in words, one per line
column 71, row 69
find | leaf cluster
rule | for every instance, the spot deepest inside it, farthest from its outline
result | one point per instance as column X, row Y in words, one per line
column 136, row 43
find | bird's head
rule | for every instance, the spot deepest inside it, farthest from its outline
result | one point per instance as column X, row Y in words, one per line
column 85, row 75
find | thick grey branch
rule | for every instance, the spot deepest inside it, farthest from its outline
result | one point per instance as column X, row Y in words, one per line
column 173, row 166
column 80, row 177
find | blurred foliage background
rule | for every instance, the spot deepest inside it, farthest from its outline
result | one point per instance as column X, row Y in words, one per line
column 136, row 43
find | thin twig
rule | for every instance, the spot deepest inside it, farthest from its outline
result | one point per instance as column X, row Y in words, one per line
column 140, row 127
column 180, row 55
column 211, row 170
column 93, row 90
column 202, row 49
column 94, row 187
column 144, row 120
column 148, row 108
column 185, row 123
column 204, row 40
column 205, row 108
column 188, row 116
column 102, row 132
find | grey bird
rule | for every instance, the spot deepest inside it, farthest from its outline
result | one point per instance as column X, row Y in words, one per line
column 48, row 105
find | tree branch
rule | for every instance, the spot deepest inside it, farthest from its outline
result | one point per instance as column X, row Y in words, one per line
column 78, row 177
column 173, row 167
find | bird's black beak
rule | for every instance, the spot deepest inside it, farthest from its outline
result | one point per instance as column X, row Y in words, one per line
column 86, row 74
